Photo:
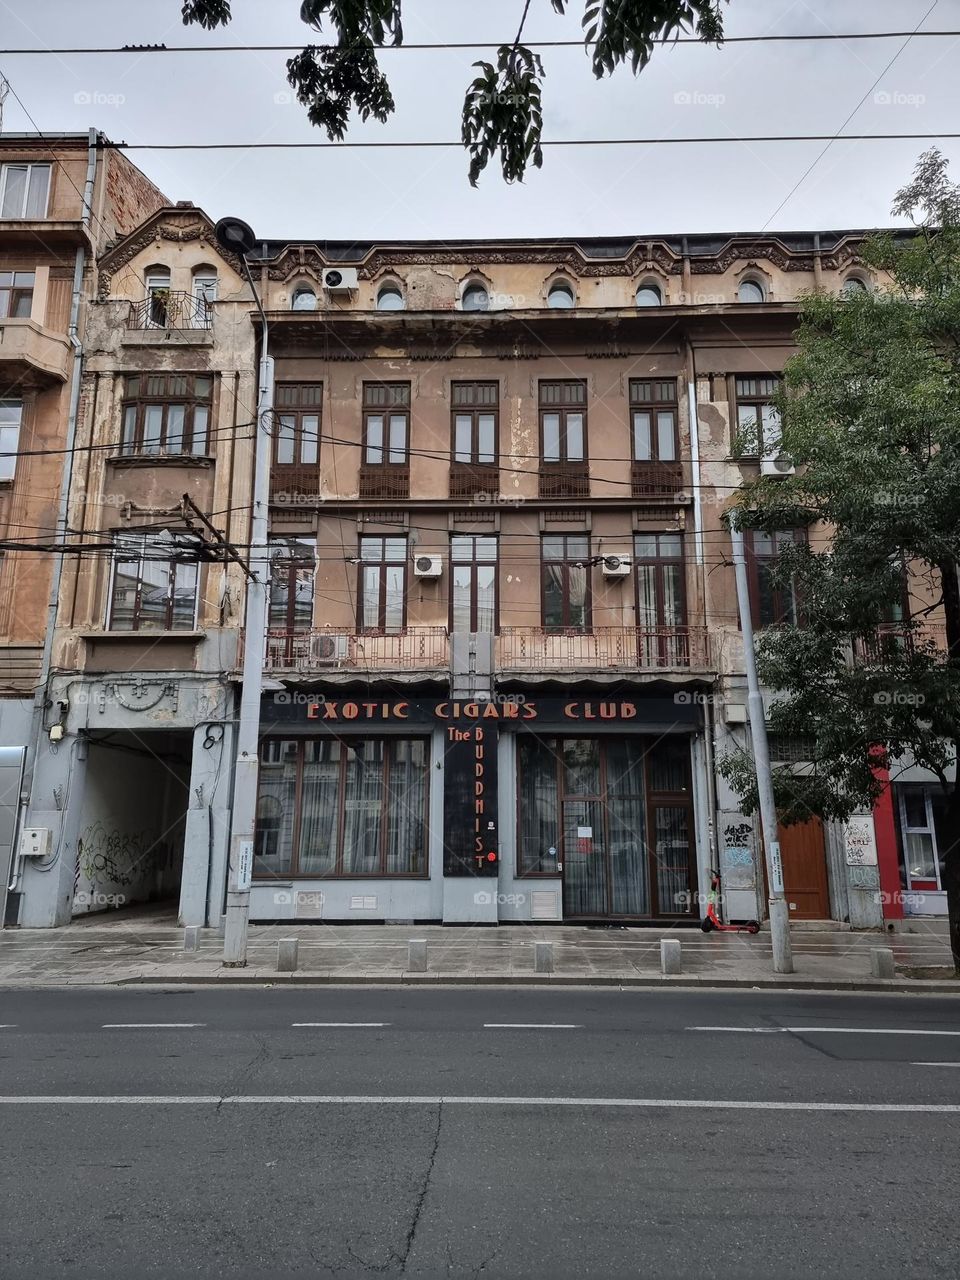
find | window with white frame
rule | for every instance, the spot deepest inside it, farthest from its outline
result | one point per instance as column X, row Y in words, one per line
column 919, row 833
column 24, row 190
column 11, row 417
column 154, row 582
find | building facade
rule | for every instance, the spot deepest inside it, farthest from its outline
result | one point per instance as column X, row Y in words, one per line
column 503, row 653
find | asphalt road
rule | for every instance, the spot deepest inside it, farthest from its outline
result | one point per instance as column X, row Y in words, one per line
column 477, row 1132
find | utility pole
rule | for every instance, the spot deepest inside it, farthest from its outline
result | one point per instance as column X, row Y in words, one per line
column 237, row 238
column 776, row 903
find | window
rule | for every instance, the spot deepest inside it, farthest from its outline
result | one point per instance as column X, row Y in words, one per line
column 653, row 412
column 390, row 298
column 563, row 421
column 918, row 834
column 292, row 569
column 475, row 298
column 154, row 585
column 772, row 603
column 167, row 413
column 342, row 807
column 304, row 299
column 750, row 291
column 475, row 413
column 386, row 423
column 205, row 284
column 157, row 281
column 11, row 417
column 24, row 190
column 16, row 295
column 853, row 287
column 758, row 422
column 649, row 295
column 296, row 442
column 383, row 584
column 561, row 296
column 661, row 599
column 566, row 581
column 473, row 582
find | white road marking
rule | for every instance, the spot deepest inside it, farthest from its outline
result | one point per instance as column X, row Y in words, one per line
column 935, row 1064
column 161, row 1026
column 340, row 1024
column 849, row 1031
column 5, row 1026
column 413, row 1100
column 534, row 1026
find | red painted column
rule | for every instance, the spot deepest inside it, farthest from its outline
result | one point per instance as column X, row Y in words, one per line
column 888, row 859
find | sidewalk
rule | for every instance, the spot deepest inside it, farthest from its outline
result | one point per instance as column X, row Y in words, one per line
column 146, row 947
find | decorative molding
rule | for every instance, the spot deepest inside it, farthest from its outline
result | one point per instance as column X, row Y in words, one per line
column 144, row 694
column 176, row 226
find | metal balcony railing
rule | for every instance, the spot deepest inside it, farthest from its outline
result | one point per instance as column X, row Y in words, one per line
column 893, row 638
column 564, row 480
column 656, row 479
column 412, row 649
column 605, row 649
column 170, row 309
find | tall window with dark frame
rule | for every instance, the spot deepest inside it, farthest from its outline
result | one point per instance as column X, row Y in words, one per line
column 772, row 603
column 16, row 294
column 473, row 582
column 167, row 413
column 154, row 583
column 758, row 422
column 383, row 585
column 385, row 462
column 296, row 441
column 563, row 439
column 661, row 600
column 342, row 807
column 293, row 565
column 474, row 444
column 565, row 561
column 656, row 469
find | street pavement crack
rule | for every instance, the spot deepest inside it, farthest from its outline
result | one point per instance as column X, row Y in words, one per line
column 422, row 1196
column 258, row 1059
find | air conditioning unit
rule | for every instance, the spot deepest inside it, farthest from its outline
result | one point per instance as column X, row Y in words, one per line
column 428, row 566
column 616, row 566
column 776, row 465
column 328, row 650
column 340, row 279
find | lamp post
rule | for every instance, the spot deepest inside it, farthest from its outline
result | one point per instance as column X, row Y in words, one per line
column 237, row 238
column 777, row 902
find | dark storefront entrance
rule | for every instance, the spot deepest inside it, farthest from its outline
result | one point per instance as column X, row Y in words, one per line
column 613, row 816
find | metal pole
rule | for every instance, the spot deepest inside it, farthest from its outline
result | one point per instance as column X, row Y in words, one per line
column 254, row 641
column 776, row 903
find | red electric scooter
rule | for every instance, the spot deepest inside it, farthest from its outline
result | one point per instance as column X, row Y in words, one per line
column 711, row 921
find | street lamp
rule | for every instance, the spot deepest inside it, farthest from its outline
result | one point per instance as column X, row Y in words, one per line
column 235, row 237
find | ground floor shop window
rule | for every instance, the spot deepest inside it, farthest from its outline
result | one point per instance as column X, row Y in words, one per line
column 613, row 816
column 922, row 814
column 342, row 807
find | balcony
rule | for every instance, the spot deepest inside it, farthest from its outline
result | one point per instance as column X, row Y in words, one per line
column 564, row 480
column 614, row 650
column 170, row 309
column 325, row 652
column 31, row 356
column 294, row 486
column 385, row 483
column 467, row 480
column 894, row 639
column 656, row 479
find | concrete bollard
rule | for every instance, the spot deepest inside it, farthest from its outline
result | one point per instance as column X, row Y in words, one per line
column 222, row 927
column 881, row 962
column 669, row 955
column 543, row 957
column 191, row 938
column 417, row 955
column 287, row 955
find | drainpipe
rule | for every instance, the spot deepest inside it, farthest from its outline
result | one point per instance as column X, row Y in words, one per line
column 63, row 504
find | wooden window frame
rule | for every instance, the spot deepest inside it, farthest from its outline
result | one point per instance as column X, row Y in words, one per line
column 386, row 411
column 757, row 399
column 133, row 411
column 382, row 563
column 15, row 294
column 568, row 561
column 754, row 561
column 301, row 407
column 564, row 408
column 474, row 408
column 457, row 561
column 172, row 566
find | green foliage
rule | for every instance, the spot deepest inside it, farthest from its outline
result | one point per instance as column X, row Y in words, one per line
column 871, row 417
column 502, row 111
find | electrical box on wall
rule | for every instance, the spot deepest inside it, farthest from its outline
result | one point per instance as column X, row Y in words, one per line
column 34, row 842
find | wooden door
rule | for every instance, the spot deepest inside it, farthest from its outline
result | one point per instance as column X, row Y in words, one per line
column 805, row 870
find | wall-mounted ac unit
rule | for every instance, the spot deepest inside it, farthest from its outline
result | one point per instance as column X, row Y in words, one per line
column 616, row 566
column 776, row 465
column 328, row 650
column 340, row 280
column 428, row 566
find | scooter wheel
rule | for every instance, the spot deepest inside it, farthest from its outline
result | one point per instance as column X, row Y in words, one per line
column 707, row 925
column 753, row 926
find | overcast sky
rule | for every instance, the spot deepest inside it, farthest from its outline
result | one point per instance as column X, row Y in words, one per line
column 424, row 194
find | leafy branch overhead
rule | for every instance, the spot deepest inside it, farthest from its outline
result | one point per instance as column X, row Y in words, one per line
column 502, row 111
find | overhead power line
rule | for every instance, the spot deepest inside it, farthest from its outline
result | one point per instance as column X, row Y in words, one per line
column 419, row 47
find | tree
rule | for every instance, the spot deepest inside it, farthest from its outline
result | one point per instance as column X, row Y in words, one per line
column 502, row 110
column 870, row 415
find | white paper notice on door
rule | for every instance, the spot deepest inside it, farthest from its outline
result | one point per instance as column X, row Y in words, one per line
column 584, row 833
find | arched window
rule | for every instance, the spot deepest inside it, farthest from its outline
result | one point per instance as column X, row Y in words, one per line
column 649, row 295
column 157, row 282
column 750, row 291
column 475, row 298
column 853, row 286
column 390, row 297
column 304, row 298
column 561, row 296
